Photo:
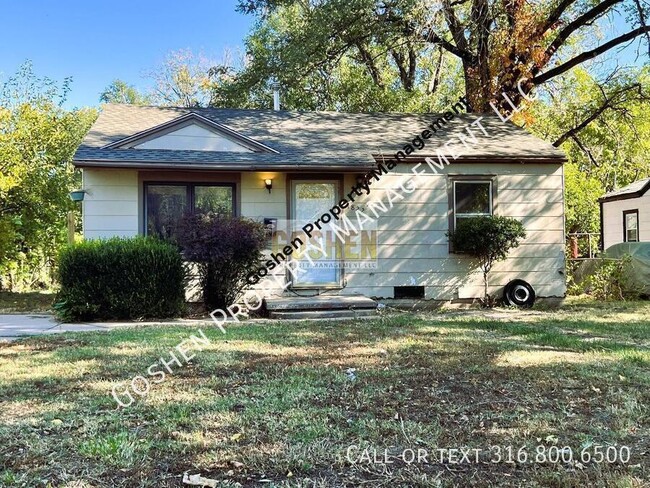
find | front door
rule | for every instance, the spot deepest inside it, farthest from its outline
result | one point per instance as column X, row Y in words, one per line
column 309, row 200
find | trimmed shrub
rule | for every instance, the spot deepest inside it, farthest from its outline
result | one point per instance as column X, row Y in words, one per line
column 488, row 240
column 225, row 250
column 120, row 278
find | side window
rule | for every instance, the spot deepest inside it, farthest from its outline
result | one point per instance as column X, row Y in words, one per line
column 217, row 199
column 631, row 226
column 471, row 198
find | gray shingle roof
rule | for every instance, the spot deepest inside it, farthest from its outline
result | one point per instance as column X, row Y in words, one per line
column 633, row 190
column 318, row 140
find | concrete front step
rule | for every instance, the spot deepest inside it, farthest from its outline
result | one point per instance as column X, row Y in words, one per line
column 327, row 303
column 323, row 314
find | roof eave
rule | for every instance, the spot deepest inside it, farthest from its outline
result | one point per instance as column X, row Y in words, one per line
column 560, row 159
column 144, row 165
column 626, row 196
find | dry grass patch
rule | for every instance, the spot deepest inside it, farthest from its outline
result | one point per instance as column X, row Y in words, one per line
column 275, row 405
column 545, row 357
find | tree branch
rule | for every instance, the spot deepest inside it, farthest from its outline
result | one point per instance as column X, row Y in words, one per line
column 457, row 29
column 368, row 60
column 585, row 150
column 399, row 61
column 481, row 19
column 555, row 15
column 434, row 38
column 609, row 103
column 581, row 58
column 579, row 22
column 572, row 132
column 433, row 84
column 639, row 8
column 413, row 58
column 406, row 67
column 8, row 208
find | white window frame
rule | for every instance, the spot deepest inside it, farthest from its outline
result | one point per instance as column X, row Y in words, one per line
column 467, row 215
column 293, row 183
column 626, row 230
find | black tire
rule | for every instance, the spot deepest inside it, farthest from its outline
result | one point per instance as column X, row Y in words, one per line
column 519, row 293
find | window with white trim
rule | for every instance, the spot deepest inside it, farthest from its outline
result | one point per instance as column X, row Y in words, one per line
column 472, row 198
column 631, row 225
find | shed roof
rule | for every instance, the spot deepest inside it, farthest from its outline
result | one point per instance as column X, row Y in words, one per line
column 633, row 190
column 312, row 140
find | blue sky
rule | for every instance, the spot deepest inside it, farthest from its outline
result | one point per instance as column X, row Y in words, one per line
column 97, row 41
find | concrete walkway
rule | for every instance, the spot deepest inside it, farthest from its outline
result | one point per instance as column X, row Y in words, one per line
column 13, row 326
column 18, row 325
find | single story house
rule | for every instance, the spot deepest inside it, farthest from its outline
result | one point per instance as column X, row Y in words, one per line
column 143, row 167
column 625, row 214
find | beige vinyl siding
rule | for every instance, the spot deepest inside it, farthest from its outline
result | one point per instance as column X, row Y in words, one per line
column 258, row 203
column 403, row 237
column 644, row 219
column 613, row 219
column 192, row 137
column 110, row 206
column 256, row 200
column 413, row 248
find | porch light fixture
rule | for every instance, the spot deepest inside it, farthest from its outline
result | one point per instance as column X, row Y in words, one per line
column 268, row 183
column 77, row 195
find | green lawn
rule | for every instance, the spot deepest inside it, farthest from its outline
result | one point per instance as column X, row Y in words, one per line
column 272, row 405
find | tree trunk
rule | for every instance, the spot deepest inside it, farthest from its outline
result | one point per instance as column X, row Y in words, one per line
column 476, row 91
column 486, row 296
column 575, row 252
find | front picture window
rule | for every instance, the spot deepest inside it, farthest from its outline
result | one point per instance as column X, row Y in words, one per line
column 166, row 204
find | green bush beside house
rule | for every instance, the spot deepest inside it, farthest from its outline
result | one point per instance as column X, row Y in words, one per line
column 487, row 240
column 120, row 278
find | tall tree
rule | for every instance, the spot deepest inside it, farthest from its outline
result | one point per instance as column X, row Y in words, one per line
column 603, row 127
column 37, row 140
column 295, row 45
column 183, row 79
column 503, row 46
column 121, row 92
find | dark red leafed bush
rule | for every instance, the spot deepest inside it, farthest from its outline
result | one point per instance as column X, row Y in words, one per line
column 225, row 250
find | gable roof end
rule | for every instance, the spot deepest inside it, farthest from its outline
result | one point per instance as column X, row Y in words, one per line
column 182, row 121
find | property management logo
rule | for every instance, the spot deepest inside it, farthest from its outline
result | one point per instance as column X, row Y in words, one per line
column 328, row 248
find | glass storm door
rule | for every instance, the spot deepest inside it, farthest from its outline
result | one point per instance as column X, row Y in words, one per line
column 310, row 199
